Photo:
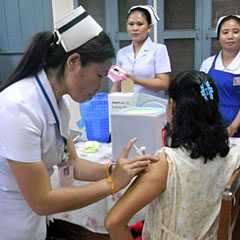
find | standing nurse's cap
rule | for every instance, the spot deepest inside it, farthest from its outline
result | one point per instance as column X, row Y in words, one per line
column 76, row 28
column 222, row 18
column 150, row 9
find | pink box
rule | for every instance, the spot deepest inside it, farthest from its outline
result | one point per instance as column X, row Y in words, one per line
column 116, row 73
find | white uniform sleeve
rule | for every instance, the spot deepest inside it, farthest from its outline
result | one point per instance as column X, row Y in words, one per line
column 20, row 137
column 162, row 61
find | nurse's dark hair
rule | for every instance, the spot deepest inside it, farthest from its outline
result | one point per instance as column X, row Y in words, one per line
column 44, row 53
column 230, row 17
column 144, row 12
column 197, row 125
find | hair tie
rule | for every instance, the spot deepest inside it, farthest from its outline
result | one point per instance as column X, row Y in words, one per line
column 54, row 40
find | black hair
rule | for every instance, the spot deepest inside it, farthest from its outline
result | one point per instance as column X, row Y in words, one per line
column 230, row 17
column 144, row 12
column 197, row 125
column 44, row 53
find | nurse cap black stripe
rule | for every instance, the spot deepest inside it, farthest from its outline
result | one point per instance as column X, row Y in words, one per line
column 73, row 22
column 76, row 28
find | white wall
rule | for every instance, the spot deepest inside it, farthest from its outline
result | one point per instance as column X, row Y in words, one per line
column 61, row 7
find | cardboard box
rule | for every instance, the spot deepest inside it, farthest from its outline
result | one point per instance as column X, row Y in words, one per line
column 127, row 86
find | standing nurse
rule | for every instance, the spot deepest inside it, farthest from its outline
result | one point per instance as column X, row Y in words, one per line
column 146, row 63
column 34, row 128
column 224, row 68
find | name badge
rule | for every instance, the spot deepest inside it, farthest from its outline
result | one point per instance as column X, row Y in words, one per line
column 65, row 173
column 236, row 81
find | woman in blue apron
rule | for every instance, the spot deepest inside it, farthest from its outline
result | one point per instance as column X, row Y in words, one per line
column 224, row 68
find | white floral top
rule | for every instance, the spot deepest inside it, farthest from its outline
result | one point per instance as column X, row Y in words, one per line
column 189, row 207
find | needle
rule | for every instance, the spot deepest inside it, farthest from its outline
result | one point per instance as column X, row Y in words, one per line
column 141, row 150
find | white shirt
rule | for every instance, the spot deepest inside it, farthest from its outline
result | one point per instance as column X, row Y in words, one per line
column 152, row 59
column 28, row 134
column 233, row 67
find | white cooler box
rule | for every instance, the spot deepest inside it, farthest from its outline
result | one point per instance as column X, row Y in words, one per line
column 119, row 100
column 145, row 123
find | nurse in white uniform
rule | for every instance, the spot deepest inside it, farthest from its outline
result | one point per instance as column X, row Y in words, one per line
column 224, row 68
column 146, row 63
column 34, row 128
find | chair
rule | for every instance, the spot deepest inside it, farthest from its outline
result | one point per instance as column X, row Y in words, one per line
column 229, row 219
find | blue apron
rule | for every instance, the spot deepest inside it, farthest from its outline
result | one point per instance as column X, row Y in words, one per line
column 229, row 94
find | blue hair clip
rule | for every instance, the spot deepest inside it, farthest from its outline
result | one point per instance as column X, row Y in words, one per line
column 206, row 91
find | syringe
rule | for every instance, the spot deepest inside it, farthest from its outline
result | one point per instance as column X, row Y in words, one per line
column 141, row 150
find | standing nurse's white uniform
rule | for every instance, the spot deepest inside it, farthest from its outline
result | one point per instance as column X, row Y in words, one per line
column 152, row 59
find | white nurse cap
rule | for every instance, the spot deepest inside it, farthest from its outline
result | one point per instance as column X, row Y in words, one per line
column 76, row 28
column 150, row 9
column 222, row 18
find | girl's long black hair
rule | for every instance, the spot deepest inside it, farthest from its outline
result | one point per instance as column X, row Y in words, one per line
column 197, row 125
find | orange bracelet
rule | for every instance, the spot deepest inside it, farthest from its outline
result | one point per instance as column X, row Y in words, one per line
column 111, row 183
column 108, row 171
column 106, row 166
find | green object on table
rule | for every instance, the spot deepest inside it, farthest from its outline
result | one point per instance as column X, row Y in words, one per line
column 91, row 147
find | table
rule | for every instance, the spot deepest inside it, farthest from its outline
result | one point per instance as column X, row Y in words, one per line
column 92, row 216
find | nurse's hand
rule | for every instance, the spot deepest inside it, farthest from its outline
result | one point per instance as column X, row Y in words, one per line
column 126, row 169
column 132, row 78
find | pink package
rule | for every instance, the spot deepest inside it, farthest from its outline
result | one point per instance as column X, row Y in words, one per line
column 116, row 73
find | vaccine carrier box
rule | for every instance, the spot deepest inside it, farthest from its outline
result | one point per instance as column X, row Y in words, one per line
column 144, row 123
column 118, row 101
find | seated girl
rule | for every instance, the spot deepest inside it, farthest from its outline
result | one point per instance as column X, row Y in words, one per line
column 183, row 190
